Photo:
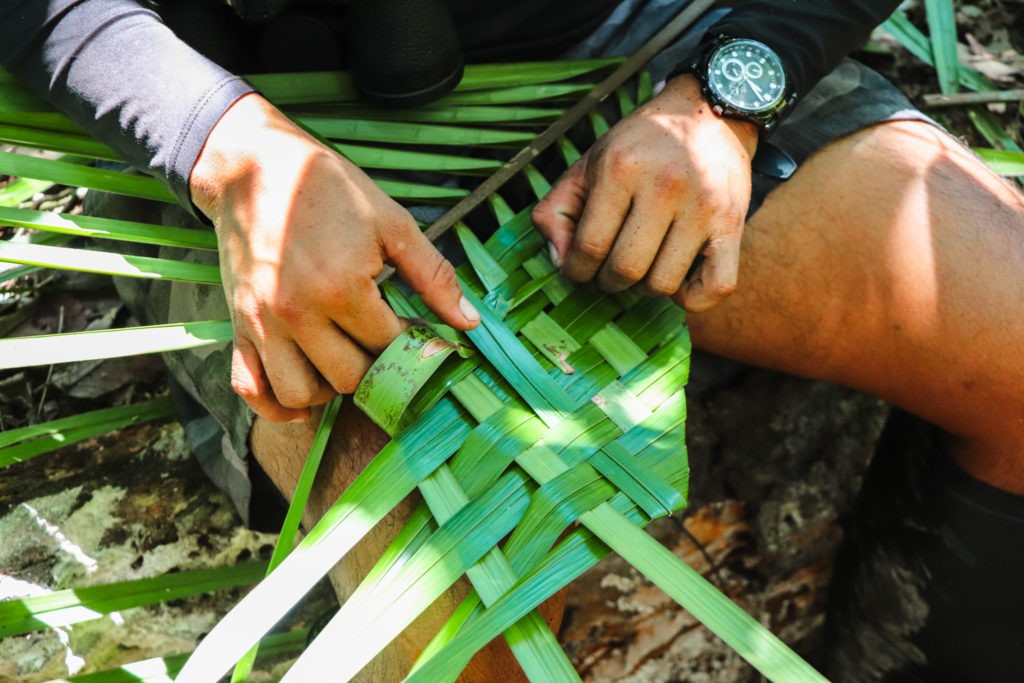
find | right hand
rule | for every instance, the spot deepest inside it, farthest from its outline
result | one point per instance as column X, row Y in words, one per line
column 302, row 235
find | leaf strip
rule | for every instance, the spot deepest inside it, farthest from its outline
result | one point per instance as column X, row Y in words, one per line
column 75, row 605
column 108, row 228
column 22, row 352
column 108, row 263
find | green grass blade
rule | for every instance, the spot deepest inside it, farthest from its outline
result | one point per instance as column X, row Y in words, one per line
column 22, row 352
column 77, row 175
column 918, row 45
column 108, row 263
column 20, row 444
column 108, row 228
column 1003, row 162
column 992, row 129
column 942, row 36
column 75, row 605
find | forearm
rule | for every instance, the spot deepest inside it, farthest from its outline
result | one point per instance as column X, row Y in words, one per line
column 119, row 73
column 811, row 36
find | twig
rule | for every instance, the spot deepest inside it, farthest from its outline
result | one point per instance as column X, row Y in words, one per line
column 49, row 370
column 964, row 99
column 510, row 168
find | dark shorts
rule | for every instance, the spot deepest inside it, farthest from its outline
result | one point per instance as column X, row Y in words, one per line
column 852, row 97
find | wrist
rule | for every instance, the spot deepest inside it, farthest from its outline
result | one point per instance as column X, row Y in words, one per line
column 227, row 161
column 689, row 94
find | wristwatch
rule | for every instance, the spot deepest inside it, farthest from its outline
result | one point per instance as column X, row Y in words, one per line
column 744, row 79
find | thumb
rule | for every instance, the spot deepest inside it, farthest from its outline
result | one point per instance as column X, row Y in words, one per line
column 433, row 277
column 557, row 214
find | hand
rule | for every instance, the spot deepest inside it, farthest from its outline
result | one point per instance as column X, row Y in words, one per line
column 302, row 234
column 668, row 184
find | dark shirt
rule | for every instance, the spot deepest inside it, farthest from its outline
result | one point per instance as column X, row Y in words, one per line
column 117, row 70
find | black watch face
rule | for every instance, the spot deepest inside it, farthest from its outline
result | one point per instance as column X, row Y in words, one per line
column 747, row 76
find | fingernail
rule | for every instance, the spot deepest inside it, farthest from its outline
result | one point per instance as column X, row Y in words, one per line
column 553, row 253
column 468, row 310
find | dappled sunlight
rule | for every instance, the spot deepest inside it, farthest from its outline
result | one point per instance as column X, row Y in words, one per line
column 63, row 542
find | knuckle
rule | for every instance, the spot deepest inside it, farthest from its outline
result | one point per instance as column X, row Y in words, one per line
column 593, row 250
column 245, row 389
column 619, row 161
column 628, row 271
column 670, row 181
column 398, row 223
column 287, row 308
column 296, row 397
column 444, row 274
column 661, row 286
column 542, row 212
column 720, row 290
column 327, row 292
column 345, row 381
column 706, row 199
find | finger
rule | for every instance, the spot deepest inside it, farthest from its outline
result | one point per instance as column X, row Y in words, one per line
column 637, row 245
column 558, row 212
column 296, row 383
column 250, row 382
column 675, row 257
column 431, row 276
column 340, row 361
column 606, row 208
column 716, row 276
column 362, row 314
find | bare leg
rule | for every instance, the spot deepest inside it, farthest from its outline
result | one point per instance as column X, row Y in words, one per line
column 893, row 262
column 281, row 449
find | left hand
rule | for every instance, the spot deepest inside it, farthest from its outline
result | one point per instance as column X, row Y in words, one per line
column 667, row 184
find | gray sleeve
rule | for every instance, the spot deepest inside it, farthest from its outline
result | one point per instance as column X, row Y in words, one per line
column 118, row 72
